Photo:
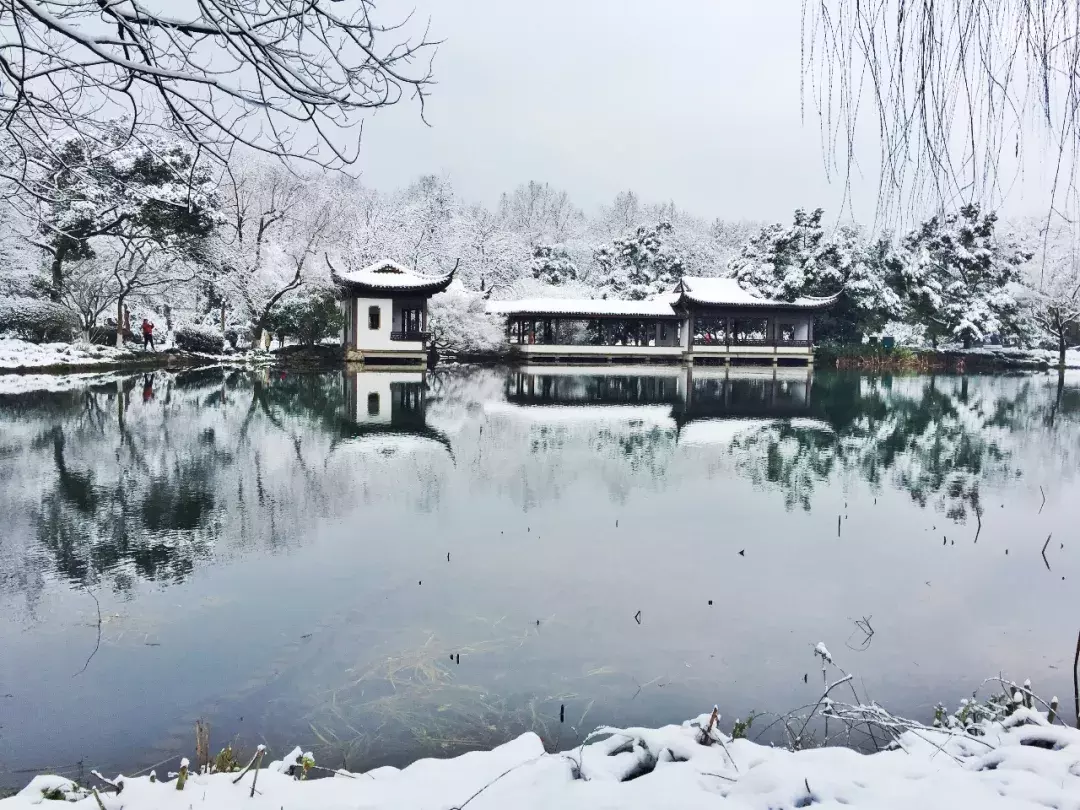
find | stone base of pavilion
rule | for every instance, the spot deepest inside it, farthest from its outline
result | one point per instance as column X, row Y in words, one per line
column 387, row 360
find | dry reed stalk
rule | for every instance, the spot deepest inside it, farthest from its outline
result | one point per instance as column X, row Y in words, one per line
column 202, row 746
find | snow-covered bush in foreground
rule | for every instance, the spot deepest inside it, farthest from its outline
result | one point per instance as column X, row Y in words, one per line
column 1005, row 752
column 1022, row 762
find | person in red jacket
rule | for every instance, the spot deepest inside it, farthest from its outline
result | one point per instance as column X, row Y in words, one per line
column 148, row 334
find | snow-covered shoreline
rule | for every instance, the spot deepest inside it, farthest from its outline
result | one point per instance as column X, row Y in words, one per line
column 1022, row 762
column 20, row 356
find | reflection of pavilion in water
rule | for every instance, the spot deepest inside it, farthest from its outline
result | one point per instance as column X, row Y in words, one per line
column 387, row 403
column 692, row 393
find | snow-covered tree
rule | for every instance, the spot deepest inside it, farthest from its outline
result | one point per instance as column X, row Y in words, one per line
column 553, row 264
column 638, row 266
column 541, row 214
column 460, row 323
column 1051, row 282
column 255, row 72
column 622, row 218
column 958, row 279
column 803, row 259
column 728, row 238
column 141, row 270
column 271, row 244
column 492, row 254
column 89, row 289
column 129, row 190
column 785, row 262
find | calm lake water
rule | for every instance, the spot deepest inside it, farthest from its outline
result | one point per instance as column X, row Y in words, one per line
column 382, row 566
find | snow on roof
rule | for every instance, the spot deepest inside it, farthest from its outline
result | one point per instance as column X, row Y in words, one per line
column 727, row 292
column 388, row 274
column 658, row 306
column 705, row 291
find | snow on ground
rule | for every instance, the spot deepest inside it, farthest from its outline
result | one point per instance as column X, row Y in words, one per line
column 1021, row 764
column 27, row 383
column 19, row 354
column 1072, row 357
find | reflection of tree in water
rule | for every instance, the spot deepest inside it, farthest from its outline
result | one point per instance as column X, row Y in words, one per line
column 145, row 512
column 139, row 478
column 643, row 449
column 938, row 439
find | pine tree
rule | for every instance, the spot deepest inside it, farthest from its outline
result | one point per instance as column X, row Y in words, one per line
column 956, row 277
column 553, row 264
column 802, row 260
column 119, row 187
column 638, row 266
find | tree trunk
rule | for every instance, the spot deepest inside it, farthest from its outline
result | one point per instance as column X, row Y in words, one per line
column 58, row 270
column 1061, row 349
column 120, row 322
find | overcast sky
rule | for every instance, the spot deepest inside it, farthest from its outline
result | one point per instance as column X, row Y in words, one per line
column 695, row 101
column 691, row 101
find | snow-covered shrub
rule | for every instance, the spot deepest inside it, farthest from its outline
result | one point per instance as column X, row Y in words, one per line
column 904, row 334
column 460, row 323
column 309, row 319
column 197, row 339
column 37, row 320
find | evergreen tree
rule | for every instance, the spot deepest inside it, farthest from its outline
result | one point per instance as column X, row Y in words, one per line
column 957, row 277
column 151, row 189
column 638, row 266
column 553, row 264
column 802, row 260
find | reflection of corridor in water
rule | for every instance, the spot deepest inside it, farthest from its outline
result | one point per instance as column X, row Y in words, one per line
column 692, row 393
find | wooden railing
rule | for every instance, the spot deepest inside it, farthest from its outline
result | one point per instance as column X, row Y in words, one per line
column 413, row 336
column 780, row 344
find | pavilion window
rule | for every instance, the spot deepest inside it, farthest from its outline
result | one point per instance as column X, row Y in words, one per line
column 575, row 332
column 410, row 396
column 412, row 320
column 373, row 404
column 750, row 330
column 785, row 332
column 374, row 318
column 710, row 331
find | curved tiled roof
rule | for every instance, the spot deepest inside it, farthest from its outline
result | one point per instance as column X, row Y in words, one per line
column 388, row 276
column 721, row 292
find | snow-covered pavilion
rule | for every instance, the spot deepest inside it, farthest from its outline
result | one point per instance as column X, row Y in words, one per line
column 712, row 319
column 386, row 313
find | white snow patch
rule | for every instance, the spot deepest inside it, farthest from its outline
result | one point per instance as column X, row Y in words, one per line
column 16, row 354
column 1023, row 764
